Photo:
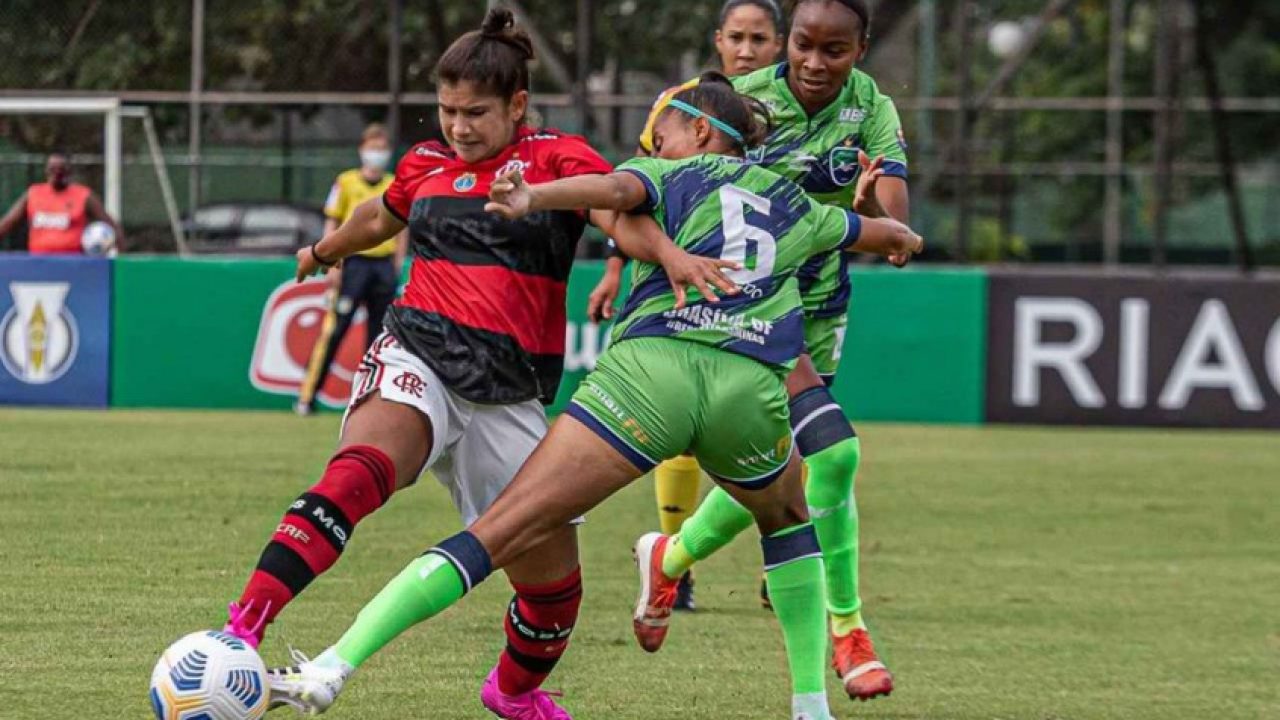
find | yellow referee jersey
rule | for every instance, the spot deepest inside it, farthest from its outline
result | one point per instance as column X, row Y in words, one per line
column 646, row 136
column 351, row 189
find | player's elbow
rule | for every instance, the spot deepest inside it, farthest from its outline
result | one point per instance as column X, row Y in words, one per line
column 620, row 195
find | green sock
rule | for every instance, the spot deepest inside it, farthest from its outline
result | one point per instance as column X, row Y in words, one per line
column 429, row 585
column 843, row 624
column 834, row 513
column 793, row 570
column 719, row 520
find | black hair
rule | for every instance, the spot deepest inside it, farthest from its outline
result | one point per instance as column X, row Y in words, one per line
column 715, row 96
column 769, row 6
column 857, row 7
column 494, row 58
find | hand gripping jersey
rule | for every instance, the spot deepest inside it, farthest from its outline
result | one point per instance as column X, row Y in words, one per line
column 820, row 153
column 349, row 190
column 485, row 304
column 722, row 207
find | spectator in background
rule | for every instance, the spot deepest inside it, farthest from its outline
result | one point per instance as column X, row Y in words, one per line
column 369, row 278
column 57, row 212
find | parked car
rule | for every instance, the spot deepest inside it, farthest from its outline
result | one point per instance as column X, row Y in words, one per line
column 253, row 228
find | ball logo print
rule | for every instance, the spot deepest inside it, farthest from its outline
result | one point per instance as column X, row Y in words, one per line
column 292, row 319
column 38, row 336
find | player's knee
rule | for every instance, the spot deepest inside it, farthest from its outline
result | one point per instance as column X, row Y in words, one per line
column 832, row 472
column 789, row 544
column 788, row 511
column 817, row 421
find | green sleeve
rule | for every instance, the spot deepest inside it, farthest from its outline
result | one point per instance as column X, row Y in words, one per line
column 833, row 228
column 882, row 135
column 651, row 172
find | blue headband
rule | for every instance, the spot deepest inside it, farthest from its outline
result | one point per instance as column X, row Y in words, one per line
column 719, row 124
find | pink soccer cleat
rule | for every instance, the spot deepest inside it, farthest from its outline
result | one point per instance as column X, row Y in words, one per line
column 238, row 623
column 533, row 705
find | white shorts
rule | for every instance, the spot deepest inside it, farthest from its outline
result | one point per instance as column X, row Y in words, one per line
column 477, row 448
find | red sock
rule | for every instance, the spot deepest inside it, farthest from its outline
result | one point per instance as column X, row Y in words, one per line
column 539, row 621
column 316, row 528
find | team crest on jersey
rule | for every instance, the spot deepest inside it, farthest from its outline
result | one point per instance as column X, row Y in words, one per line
column 514, row 164
column 843, row 162
column 464, row 182
column 38, row 336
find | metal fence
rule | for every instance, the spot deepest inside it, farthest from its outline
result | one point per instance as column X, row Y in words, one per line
column 1119, row 131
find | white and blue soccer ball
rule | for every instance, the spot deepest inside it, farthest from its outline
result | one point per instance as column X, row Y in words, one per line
column 97, row 239
column 209, row 675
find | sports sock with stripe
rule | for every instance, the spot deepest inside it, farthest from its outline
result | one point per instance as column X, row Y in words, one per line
column 424, row 589
column 315, row 530
column 831, row 452
column 539, row 621
column 793, row 571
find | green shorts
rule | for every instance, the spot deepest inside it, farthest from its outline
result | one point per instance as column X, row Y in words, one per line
column 654, row 398
column 824, row 338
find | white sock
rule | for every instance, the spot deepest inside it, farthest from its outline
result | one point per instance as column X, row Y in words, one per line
column 810, row 706
column 330, row 660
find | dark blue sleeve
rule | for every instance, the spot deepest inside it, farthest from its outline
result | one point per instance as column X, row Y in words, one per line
column 652, row 197
column 855, row 229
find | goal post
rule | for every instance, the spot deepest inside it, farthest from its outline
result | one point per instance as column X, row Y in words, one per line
column 113, row 114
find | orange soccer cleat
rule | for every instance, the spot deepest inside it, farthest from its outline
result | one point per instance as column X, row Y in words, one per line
column 657, row 593
column 858, row 667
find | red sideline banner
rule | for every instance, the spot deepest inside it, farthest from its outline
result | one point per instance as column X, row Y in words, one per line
column 1138, row 349
column 293, row 317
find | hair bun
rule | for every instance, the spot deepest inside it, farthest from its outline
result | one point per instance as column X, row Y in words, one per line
column 497, row 22
column 500, row 24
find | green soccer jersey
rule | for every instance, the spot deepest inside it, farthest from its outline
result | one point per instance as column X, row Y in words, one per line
column 722, row 207
column 820, row 153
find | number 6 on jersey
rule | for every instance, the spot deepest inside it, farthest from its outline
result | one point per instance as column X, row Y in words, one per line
column 750, row 246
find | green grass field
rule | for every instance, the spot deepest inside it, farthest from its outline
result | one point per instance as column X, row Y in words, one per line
column 1023, row 574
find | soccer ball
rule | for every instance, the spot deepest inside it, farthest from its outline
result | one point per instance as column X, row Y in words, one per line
column 209, row 675
column 97, row 239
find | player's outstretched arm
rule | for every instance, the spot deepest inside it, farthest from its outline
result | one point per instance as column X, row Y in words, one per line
column 512, row 198
column 368, row 226
column 890, row 238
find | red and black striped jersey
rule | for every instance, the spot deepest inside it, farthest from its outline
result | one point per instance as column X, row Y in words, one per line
column 485, row 304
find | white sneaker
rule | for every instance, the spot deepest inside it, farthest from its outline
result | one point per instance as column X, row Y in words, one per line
column 308, row 688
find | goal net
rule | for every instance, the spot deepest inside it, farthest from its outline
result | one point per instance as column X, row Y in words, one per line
column 113, row 148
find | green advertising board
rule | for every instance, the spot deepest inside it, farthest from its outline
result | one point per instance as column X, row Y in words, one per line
column 237, row 333
column 916, row 345
column 185, row 330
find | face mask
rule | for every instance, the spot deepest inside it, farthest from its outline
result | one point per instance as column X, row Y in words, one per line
column 375, row 159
